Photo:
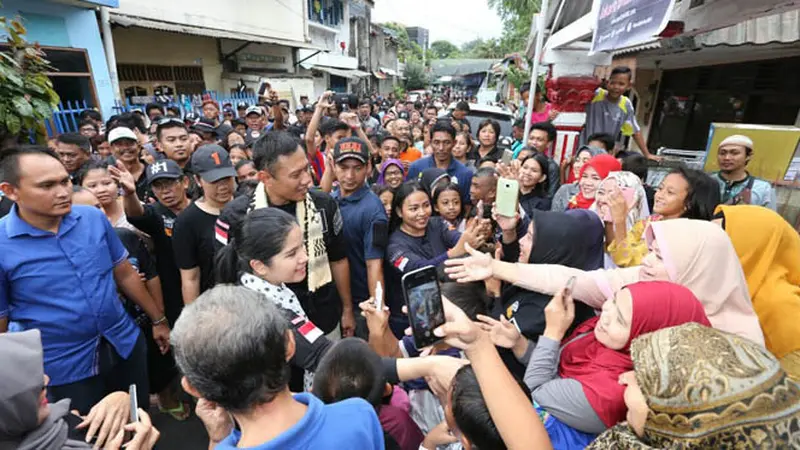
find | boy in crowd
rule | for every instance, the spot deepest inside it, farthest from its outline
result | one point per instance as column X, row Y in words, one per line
column 602, row 140
column 541, row 138
column 610, row 111
column 73, row 150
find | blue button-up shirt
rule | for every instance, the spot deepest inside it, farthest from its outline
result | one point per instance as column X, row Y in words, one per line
column 63, row 284
column 366, row 233
column 458, row 172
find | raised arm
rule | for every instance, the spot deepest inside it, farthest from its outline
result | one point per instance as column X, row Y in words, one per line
column 322, row 105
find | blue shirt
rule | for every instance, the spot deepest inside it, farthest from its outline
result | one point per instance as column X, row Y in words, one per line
column 458, row 172
column 366, row 233
column 63, row 284
column 350, row 423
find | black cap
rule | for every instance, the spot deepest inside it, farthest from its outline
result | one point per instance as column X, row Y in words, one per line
column 242, row 105
column 204, row 125
column 212, row 163
column 352, row 147
column 165, row 168
column 403, row 115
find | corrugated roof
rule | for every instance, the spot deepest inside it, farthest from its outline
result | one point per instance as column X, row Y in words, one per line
column 778, row 28
column 456, row 67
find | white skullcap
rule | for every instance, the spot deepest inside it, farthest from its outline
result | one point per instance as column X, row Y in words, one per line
column 737, row 139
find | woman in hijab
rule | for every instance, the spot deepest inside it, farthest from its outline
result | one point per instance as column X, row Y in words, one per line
column 592, row 173
column 700, row 388
column 706, row 264
column 768, row 249
column 391, row 173
column 576, row 380
column 570, row 187
column 620, row 202
column 29, row 422
column 687, row 193
column 521, row 310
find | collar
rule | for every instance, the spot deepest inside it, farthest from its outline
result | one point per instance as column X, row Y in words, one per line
column 730, row 184
column 354, row 197
column 300, row 435
column 16, row 226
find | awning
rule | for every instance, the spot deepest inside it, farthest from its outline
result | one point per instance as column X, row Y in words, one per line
column 380, row 75
column 132, row 21
column 346, row 73
column 389, row 72
column 783, row 28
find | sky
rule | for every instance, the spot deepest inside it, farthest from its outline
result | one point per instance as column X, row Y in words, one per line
column 457, row 21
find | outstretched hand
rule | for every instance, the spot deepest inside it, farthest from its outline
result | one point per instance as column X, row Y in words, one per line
column 475, row 267
column 502, row 332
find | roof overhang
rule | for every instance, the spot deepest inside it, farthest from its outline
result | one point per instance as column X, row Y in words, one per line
column 133, row 21
column 345, row 73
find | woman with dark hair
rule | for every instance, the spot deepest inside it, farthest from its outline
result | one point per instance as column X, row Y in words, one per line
column 488, row 134
column 533, row 183
column 683, row 193
column 417, row 241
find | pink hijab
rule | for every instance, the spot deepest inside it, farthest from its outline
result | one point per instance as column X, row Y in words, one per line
column 700, row 256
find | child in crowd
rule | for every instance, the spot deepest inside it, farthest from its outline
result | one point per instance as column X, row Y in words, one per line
column 447, row 205
column 386, row 194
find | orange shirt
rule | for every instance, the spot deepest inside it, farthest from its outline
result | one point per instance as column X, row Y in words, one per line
column 411, row 154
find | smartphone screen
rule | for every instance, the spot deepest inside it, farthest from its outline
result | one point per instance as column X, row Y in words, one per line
column 424, row 302
column 508, row 155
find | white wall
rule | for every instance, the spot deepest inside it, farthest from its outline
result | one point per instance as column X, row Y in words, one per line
column 283, row 19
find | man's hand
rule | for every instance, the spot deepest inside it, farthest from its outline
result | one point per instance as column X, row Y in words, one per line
column 351, row 119
column 144, row 438
column 217, row 421
column 502, row 332
column 653, row 157
column 107, row 418
column 348, row 324
column 325, row 100
column 440, row 435
column 377, row 321
column 161, row 336
column 123, row 177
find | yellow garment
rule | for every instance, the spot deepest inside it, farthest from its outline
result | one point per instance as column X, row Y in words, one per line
column 769, row 251
column 631, row 250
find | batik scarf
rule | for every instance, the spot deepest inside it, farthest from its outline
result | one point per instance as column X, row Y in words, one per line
column 319, row 270
column 708, row 389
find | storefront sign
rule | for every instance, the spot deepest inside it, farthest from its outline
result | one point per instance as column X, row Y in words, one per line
column 259, row 61
column 624, row 23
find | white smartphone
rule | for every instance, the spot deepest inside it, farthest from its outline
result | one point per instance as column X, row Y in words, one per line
column 378, row 297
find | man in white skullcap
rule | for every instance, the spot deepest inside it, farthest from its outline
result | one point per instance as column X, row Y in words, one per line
column 737, row 186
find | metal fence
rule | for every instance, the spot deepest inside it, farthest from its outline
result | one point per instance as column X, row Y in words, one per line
column 66, row 116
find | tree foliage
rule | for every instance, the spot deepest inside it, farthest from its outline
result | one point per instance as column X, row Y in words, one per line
column 27, row 96
column 444, row 50
column 416, row 77
column 517, row 16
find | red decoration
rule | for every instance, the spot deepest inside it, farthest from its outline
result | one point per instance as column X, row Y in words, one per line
column 571, row 93
column 342, row 45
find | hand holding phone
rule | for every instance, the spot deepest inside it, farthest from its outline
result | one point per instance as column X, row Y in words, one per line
column 424, row 302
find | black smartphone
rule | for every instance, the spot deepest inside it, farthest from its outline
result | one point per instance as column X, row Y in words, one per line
column 424, row 301
column 487, row 211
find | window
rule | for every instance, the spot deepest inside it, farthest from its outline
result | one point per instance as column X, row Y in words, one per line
column 326, row 12
column 759, row 92
column 187, row 79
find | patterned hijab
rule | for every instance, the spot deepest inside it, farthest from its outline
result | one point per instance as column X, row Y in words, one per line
column 707, row 389
column 626, row 180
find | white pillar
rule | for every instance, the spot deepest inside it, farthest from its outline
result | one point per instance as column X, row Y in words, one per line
column 111, row 57
column 537, row 55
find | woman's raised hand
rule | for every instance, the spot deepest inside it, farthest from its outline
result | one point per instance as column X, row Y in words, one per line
column 475, row 267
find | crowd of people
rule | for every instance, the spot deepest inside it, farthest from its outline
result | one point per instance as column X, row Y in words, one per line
column 227, row 264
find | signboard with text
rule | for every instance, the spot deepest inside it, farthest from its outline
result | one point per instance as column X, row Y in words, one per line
column 625, row 23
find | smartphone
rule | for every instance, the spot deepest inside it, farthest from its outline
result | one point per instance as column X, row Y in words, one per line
column 507, row 197
column 134, row 403
column 378, row 297
column 424, row 301
column 508, row 155
column 628, row 194
column 263, row 88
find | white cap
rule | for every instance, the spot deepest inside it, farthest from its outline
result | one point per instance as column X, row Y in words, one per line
column 121, row 133
column 254, row 109
column 737, row 139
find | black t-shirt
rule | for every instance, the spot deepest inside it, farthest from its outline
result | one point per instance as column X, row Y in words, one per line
column 495, row 155
column 5, row 206
column 193, row 243
column 140, row 259
column 158, row 221
column 324, row 307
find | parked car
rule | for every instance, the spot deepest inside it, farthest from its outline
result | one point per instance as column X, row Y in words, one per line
column 478, row 113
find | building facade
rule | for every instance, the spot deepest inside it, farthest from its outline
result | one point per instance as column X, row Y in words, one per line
column 70, row 36
column 420, row 36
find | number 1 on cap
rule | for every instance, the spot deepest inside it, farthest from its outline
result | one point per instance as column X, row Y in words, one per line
column 215, row 157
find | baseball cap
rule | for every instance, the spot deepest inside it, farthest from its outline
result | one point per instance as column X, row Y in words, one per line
column 212, row 163
column 307, row 108
column 121, row 133
column 204, row 125
column 242, row 105
column 227, row 110
column 255, row 109
column 352, row 147
column 403, row 115
column 165, row 168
